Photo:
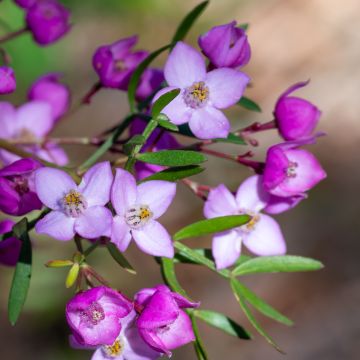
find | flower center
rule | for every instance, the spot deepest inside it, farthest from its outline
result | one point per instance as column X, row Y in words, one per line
column 114, row 350
column 120, row 65
column 138, row 215
column 93, row 314
column 25, row 135
column 74, row 203
column 196, row 95
column 291, row 169
column 250, row 226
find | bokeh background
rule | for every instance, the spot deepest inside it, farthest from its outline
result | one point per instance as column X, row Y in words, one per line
column 291, row 40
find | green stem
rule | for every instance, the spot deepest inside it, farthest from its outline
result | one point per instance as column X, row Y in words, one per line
column 198, row 345
column 91, row 248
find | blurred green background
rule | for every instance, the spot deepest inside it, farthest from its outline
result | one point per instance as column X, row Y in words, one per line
column 291, row 40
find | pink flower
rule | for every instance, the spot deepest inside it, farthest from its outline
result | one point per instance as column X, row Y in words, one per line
column 203, row 95
column 150, row 81
column 7, row 80
column 138, row 208
column 30, row 122
column 75, row 208
column 290, row 171
column 261, row 235
column 9, row 247
column 94, row 315
column 162, row 323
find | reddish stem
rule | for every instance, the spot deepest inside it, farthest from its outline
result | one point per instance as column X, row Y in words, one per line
column 94, row 89
column 13, row 34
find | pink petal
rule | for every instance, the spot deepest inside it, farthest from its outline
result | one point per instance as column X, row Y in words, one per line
column 57, row 225
column 154, row 239
column 53, row 153
column 8, row 123
column 226, row 248
column 120, row 233
column 123, row 192
column 157, row 194
column 94, row 222
column 220, row 202
column 96, row 184
column 52, row 185
column 99, row 354
column 266, row 238
column 251, row 194
column 226, row 86
column 209, row 123
column 184, row 66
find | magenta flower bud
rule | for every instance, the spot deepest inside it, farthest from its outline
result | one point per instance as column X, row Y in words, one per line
column 17, row 189
column 226, row 46
column 290, row 171
column 48, row 88
column 10, row 247
column 26, row 4
column 94, row 315
column 48, row 21
column 296, row 118
column 115, row 63
column 150, row 82
column 7, row 80
column 162, row 323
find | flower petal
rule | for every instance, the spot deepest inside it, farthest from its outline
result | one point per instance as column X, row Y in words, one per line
column 57, row 225
column 266, row 238
column 209, row 123
column 52, row 185
column 226, row 248
column 154, row 239
column 123, row 192
column 96, row 184
column 277, row 204
column 100, row 355
column 157, row 194
column 184, row 66
column 226, row 86
column 8, row 123
column 94, row 222
column 120, row 233
column 220, row 202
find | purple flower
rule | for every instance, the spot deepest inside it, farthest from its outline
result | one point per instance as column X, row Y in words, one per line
column 158, row 140
column 10, row 247
column 115, row 63
column 25, row 3
column 150, row 81
column 48, row 20
column 202, row 94
column 127, row 346
column 94, row 315
column 261, row 235
column 296, row 118
column 7, row 80
column 290, row 171
column 162, row 323
column 76, row 208
column 17, row 188
column 48, row 88
column 137, row 209
column 30, row 122
column 226, row 46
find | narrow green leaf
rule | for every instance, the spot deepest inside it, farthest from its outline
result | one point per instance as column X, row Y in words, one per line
column 22, row 275
column 163, row 101
column 120, row 258
column 135, row 77
column 232, row 139
column 188, row 21
column 262, row 306
column 172, row 157
column 223, row 323
column 169, row 275
column 164, row 122
column 175, row 173
column 210, row 226
column 234, row 285
column 249, row 104
column 72, row 275
column 59, row 263
column 273, row 264
column 244, row 26
column 135, row 140
column 198, row 344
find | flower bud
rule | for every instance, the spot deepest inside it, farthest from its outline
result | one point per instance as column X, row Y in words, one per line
column 7, row 80
column 9, row 247
column 26, row 4
column 150, row 81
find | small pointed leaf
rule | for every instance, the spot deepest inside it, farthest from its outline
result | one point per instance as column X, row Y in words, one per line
column 120, row 258
column 163, row 101
column 249, row 104
column 72, row 275
column 172, row 157
column 175, row 173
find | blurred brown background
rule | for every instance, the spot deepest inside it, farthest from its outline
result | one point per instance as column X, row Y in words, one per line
column 291, row 40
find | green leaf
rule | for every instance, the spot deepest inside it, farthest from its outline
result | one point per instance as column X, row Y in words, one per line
column 22, row 275
column 72, row 275
column 244, row 26
column 210, row 226
column 172, row 157
column 163, row 101
column 273, row 264
column 135, row 140
column 234, row 285
column 223, row 323
column 164, row 122
column 175, row 173
column 120, row 258
column 198, row 344
column 168, row 273
column 135, row 77
column 262, row 306
column 188, row 21
column 232, row 139
column 249, row 104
